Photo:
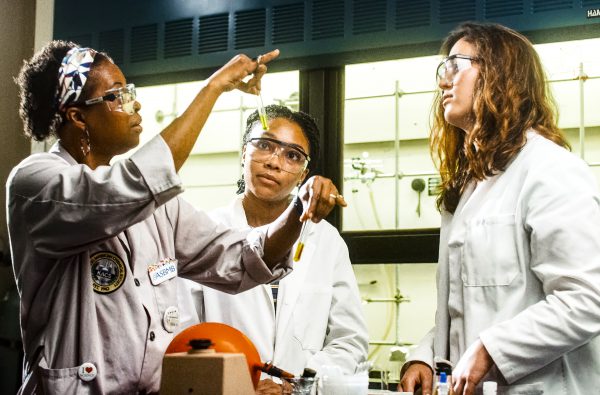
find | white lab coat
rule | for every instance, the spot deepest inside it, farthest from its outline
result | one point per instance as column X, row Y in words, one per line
column 319, row 317
column 519, row 269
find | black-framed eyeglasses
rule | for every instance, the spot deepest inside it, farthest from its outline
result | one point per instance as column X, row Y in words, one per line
column 450, row 66
column 261, row 149
column 118, row 99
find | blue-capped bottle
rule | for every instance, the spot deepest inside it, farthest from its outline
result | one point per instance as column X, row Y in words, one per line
column 443, row 377
column 442, row 386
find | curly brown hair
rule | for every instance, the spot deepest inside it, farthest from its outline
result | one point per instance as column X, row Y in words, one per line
column 510, row 97
column 38, row 85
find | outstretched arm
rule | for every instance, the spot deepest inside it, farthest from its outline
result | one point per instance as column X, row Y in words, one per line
column 182, row 133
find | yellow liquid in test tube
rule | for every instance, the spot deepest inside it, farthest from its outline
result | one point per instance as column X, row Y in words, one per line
column 261, row 112
column 302, row 240
column 263, row 121
column 298, row 253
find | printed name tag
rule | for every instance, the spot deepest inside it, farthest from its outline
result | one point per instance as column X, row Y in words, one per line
column 165, row 270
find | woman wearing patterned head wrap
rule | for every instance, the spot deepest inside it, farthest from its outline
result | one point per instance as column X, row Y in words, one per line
column 96, row 246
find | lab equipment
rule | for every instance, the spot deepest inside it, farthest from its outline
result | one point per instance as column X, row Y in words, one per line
column 442, row 387
column 261, row 149
column 302, row 239
column 203, row 370
column 418, row 185
column 443, row 371
column 308, row 372
column 274, row 371
column 223, row 339
column 299, row 386
column 117, row 99
column 357, row 384
column 490, row 388
column 261, row 112
column 227, row 356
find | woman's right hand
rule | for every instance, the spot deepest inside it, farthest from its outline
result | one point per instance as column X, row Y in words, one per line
column 418, row 374
column 231, row 76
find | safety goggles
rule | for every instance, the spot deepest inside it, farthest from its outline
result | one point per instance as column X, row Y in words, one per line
column 261, row 149
column 118, row 99
column 450, row 66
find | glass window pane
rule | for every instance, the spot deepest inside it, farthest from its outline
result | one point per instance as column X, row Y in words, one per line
column 566, row 95
column 387, row 166
column 562, row 59
column 591, row 90
column 393, row 326
column 368, row 119
column 414, row 115
column 222, row 132
column 574, row 72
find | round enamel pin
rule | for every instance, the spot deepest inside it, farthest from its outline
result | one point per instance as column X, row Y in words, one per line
column 171, row 319
column 87, row 371
column 108, row 272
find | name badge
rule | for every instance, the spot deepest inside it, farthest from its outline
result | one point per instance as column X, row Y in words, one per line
column 165, row 270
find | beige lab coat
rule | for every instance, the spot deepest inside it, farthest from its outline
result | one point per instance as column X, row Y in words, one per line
column 60, row 214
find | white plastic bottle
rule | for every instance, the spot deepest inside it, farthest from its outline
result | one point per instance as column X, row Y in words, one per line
column 490, row 388
column 442, row 387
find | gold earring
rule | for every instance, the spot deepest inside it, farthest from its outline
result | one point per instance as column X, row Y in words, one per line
column 86, row 144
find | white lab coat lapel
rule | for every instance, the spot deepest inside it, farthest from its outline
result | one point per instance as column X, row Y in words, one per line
column 478, row 194
column 452, row 239
column 449, row 222
column 470, row 204
column 291, row 286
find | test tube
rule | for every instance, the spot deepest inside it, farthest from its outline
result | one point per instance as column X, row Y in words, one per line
column 301, row 240
column 274, row 371
column 261, row 112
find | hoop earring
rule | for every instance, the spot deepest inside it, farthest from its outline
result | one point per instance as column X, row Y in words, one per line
column 86, row 144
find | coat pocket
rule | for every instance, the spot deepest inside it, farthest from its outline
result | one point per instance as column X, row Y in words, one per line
column 490, row 255
column 64, row 381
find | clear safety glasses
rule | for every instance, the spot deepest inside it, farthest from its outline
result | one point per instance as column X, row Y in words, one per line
column 118, row 99
column 261, row 149
column 449, row 67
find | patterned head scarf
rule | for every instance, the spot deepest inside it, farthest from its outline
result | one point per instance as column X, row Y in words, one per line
column 73, row 74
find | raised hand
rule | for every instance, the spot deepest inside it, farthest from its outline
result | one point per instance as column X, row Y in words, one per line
column 231, row 76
